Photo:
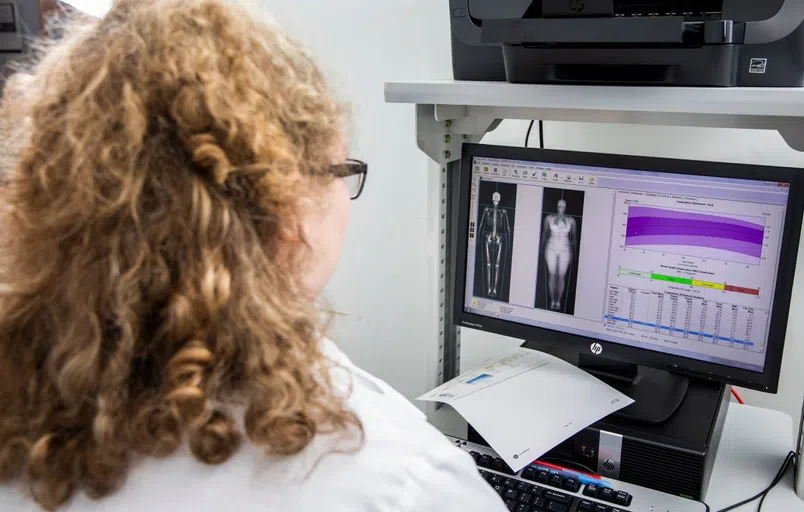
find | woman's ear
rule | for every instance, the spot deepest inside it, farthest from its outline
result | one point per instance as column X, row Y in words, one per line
column 289, row 227
column 289, row 238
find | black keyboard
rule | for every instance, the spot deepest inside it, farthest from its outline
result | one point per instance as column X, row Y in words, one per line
column 541, row 488
column 521, row 496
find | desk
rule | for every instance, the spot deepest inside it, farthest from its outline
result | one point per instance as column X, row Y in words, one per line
column 753, row 446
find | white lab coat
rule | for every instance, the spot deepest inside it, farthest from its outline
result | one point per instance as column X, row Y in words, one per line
column 405, row 465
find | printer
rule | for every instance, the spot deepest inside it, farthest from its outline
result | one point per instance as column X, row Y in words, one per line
column 716, row 43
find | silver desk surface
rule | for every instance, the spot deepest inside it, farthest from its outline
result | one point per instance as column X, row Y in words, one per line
column 754, row 444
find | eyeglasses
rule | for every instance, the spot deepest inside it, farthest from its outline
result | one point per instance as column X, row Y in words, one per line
column 353, row 173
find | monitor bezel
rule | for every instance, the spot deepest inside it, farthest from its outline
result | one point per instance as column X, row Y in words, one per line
column 767, row 381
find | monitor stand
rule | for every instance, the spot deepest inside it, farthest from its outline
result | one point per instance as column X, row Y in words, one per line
column 657, row 394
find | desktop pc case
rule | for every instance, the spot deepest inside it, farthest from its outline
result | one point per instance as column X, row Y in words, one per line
column 722, row 43
column 675, row 457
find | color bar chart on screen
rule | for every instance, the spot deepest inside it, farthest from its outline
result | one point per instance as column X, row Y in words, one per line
column 686, row 316
column 689, row 281
column 733, row 238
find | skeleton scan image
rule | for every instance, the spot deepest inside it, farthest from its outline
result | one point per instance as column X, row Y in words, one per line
column 495, row 239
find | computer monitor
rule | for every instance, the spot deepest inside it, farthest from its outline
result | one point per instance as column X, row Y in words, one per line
column 667, row 264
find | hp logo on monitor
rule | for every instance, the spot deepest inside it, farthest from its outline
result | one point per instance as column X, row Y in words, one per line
column 577, row 5
column 596, row 348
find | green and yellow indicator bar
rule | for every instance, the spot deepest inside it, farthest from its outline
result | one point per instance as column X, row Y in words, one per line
column 687, row 281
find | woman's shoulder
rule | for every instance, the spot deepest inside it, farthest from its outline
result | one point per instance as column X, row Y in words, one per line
column 401, row 463
column 409, row 462
column 383, row 411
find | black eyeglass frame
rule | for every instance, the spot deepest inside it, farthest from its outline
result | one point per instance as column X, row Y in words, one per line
column 352, row 167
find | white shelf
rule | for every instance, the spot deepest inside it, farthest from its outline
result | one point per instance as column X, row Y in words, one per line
column 780, row 109
column 741, row 101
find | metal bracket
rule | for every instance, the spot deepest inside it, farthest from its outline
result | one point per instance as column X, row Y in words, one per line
column 449, row 334
column 441, row 131
column 794, row 136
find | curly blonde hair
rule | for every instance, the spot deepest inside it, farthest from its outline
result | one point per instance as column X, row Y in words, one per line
column 152, row 159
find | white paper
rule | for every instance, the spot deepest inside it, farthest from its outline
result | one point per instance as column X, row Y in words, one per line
column 528, row 402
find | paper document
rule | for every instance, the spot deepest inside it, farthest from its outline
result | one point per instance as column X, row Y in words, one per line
column 528, row 402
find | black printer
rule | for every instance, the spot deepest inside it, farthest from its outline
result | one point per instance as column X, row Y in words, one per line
column 723, row 43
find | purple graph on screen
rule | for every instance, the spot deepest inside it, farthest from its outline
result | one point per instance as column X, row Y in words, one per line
column 696, row 234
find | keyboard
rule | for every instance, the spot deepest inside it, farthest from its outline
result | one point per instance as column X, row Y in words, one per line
column 543, row 487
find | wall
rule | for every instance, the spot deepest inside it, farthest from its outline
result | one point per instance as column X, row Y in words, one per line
column 91, row 7
column 385, row 288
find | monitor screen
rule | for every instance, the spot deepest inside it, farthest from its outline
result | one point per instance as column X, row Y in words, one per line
column 678, row 264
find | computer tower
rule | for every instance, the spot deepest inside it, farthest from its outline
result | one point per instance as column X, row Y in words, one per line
column 675, row 457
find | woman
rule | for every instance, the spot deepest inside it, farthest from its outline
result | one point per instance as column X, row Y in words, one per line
column 177, row 199
column 560, row 241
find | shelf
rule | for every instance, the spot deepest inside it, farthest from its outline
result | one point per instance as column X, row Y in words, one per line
column 780, row 109
column 677, row 100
